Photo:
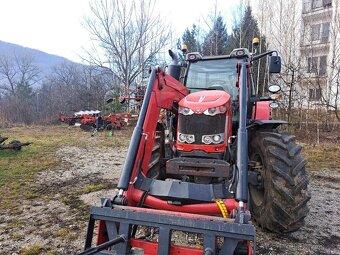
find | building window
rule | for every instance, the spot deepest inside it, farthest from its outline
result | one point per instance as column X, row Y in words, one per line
column 316, row 4
column 314, row 94
column 317, row 65
column 327, row 3
column 315, row 32
column 320, row 32
column 325, row 32
column 312, row 65
column 323, row 65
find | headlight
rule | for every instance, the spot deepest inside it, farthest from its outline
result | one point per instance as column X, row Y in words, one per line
column 181, row 138
column 206, row 139
column 185, row 111
column 184, row 138
column 217, row 138
column 190, row 138
column 215, row 110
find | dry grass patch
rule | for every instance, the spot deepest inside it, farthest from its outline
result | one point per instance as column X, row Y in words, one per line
column 323, row 156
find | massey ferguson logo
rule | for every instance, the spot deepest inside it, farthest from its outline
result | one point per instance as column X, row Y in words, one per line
column 201, row 99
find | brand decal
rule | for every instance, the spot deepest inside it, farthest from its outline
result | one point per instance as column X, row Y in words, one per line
column 201, row 99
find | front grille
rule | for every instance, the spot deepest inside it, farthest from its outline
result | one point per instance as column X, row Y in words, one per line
column 201, row 124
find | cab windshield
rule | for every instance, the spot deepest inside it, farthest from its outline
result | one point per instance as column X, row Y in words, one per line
column 213, row 74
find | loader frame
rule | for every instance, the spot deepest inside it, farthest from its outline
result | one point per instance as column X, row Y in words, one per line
column 118, row 221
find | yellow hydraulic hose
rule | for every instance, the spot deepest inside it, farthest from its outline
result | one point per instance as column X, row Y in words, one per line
column 222, row 207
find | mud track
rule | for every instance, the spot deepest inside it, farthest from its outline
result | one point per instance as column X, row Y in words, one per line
column 55, row 222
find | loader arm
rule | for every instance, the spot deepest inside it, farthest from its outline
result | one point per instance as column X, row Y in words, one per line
column 162, row 92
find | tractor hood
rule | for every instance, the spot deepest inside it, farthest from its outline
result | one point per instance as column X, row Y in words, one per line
column 200, row 101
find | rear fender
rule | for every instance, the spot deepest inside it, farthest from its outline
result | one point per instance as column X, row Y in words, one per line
column 261, row 111
column 268, row 124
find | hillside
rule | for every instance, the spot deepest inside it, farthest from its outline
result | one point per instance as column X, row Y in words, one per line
column 42, row 59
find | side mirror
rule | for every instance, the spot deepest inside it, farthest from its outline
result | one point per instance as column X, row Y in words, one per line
column 274, row 64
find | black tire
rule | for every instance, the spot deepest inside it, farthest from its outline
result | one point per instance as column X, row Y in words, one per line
column 16, row 145
column 72, row 122
column 280, row 203
column 88, row 127
column 109, row 127
column 156, row 169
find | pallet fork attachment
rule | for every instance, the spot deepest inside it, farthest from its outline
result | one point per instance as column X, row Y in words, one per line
column 117, row 222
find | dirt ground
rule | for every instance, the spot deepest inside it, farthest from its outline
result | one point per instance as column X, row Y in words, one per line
column 58, row 225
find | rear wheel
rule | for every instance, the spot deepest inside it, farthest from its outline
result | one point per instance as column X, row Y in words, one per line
column 88, row 127
column 72, row 122
column 279, row 203
column 156, row 169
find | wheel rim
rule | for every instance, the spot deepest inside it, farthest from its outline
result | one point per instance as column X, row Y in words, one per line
column 256, row 193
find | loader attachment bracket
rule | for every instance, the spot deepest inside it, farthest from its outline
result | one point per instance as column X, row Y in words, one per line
column 118, row 221
column 176, row 190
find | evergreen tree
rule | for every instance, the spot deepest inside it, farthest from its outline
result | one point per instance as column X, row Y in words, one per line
column 244, row 32
column 24, row 100
column 242, row 37
column 216, row 41
column 190, row 38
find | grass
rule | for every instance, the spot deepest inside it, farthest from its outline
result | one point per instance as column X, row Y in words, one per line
column 323, row 156
column 91, row 188
column 18, row 168
column 18, row 173
column 32, row 250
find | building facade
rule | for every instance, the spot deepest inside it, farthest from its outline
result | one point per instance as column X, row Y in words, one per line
column 319, row 49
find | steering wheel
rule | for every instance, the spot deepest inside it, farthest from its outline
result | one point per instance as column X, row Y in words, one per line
column 217, row 85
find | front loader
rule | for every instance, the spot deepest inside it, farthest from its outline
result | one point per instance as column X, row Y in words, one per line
column 212, row 164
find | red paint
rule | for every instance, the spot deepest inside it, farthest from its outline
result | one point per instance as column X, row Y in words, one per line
column 151, row 248
column 261, row 111
column 203, row 100
column 166, row 90
column 202, row 208
column 212, row 148
column 102, row 235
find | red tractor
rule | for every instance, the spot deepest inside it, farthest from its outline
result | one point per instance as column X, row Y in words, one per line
column 218, row 153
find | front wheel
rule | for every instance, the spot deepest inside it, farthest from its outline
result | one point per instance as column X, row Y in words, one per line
column 279, row 202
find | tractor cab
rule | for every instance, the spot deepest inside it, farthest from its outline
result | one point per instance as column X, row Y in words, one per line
column 212, row 73
column 216, row 73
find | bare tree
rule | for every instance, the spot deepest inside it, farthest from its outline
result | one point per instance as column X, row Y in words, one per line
column 15, row 71
column 280, row 21
column 126, row 36
column 72, row 87
column 18, row 74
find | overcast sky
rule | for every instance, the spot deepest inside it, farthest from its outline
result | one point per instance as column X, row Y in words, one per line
column 54, row 26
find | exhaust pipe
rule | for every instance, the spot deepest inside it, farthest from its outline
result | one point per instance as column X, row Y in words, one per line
column 174, row 68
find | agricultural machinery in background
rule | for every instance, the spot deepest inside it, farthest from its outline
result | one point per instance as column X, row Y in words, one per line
column 215, row 165
column 13, row 145
column 100, row 123
column 71, row 120
column 92, row 120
